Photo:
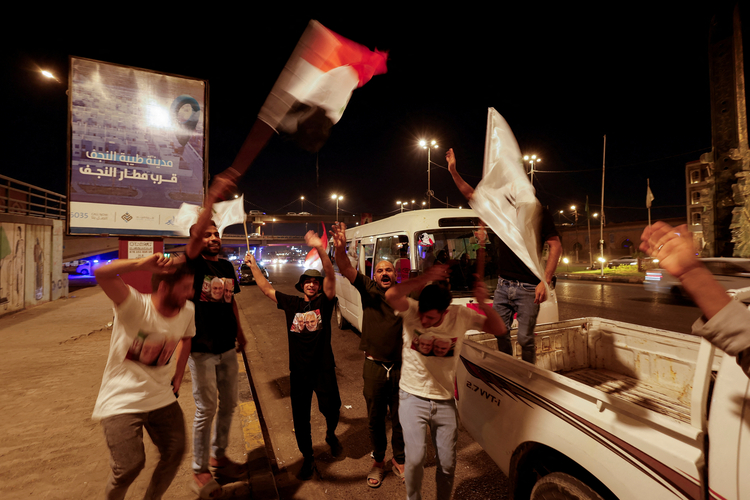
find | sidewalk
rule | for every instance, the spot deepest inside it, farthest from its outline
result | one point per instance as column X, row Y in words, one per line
column 53, row 358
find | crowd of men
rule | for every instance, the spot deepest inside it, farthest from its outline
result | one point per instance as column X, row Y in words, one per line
column 410, row 342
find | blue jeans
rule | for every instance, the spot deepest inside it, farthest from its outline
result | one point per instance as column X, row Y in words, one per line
column 417, row 415
column 517, row 297
column 214, row 384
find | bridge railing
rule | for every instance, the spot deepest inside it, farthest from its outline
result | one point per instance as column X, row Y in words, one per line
column 20, row 198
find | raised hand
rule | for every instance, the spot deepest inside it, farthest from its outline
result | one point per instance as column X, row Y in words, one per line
column 450, row 157
column 157, row 264
column 438, row 272
column 672, row 246
column 313, row 240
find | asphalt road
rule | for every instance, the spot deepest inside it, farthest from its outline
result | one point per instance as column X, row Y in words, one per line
column 477, row 476
column 625, row 302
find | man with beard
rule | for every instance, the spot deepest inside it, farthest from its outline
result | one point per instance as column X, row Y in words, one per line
column 311, row 364
column 213, row 361
column 135, row 394
column 381, row 343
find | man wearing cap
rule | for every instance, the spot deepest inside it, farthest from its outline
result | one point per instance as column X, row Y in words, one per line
column 311, row 363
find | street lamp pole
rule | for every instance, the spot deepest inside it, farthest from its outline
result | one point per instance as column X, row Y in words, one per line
column 575, row 213
column 337, row 198
column 301, row 203
column 433, row 144
column 532, row 159
column 401, row 205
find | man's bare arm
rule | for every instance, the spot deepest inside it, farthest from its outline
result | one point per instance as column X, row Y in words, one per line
column 221, row 186
column 494, row 324
column 183, row 352
column 339, row 242
column 396, row 295
column 555, row 250
column 260, row 280
column 674, row 249
column 461, row 184
column 329, row 282
column 108, row 276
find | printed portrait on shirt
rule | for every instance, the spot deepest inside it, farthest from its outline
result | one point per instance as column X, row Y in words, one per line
column 151, row 349
column 217, row 289
column 429, row 345
column 308, row 321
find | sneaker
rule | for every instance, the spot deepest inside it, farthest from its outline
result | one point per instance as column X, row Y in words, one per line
column 307, row 470
column 335, row 444
column 225, row 467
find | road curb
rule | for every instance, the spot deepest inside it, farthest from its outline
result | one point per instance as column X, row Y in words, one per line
column 259, row 463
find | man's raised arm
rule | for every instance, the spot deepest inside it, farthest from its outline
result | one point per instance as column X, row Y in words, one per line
column 329, row 282
column 108, row 276
column 461, row 184
column 339, row 242
column 220, row 187
column 396, row 295
column 260, row 279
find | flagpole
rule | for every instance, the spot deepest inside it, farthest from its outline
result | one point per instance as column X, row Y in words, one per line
column 601, row 225
column 588, row 219
column 648, row 190
column 247, row 238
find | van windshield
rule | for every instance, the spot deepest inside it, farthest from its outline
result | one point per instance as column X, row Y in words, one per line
column 458, row 247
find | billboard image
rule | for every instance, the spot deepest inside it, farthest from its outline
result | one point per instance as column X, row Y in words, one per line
column 137, row 148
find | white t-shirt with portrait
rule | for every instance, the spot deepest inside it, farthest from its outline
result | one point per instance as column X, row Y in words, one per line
column 138, row 375
column 429, row 355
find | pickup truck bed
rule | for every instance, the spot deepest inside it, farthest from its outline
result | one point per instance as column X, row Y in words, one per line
column 607, row 392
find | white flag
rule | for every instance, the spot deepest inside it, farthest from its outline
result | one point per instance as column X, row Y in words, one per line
column 504, row 199
column 649, row 195
column 225, row 213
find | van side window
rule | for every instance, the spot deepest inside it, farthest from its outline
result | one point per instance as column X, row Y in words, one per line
column 395, row 249
column 352, row 251
column 369, row 249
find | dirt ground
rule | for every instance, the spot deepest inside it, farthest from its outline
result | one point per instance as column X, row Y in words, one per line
column 53, row 356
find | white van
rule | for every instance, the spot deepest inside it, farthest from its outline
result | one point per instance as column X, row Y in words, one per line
column 414, row 241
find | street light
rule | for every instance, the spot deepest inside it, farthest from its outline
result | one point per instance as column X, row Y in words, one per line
column 532, row 159
column 424, row 145
column 575, row 213
column 337, row 198
column 401, row 205
column 301, row 203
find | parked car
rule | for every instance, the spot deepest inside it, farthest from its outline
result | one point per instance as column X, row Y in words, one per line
column 623, row 261
column 246, row 277
column 256, row 212
column 291, row 213
column 731, row 272
column 304, row 213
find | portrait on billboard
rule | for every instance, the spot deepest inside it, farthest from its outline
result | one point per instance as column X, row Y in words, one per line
column 137, row 148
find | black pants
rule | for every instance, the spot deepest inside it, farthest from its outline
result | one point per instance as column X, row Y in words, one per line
column 302, row 384
column 381, row 394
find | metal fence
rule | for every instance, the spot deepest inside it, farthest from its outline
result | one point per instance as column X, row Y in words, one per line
column 19, row 198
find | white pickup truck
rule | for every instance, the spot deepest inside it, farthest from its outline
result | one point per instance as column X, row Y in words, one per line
column 610, row 410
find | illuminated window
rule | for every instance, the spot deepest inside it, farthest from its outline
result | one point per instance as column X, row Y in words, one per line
column 695, row 197
column 696, row 218
column 695, row 177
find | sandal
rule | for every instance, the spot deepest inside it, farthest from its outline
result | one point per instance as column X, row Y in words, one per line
column 376, row 473
column 397, row 471
column 210, row 490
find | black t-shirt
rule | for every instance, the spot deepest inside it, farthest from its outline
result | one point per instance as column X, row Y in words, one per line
column 214, row 287
column 308, row 326
column 381, row 328
column 513, row 268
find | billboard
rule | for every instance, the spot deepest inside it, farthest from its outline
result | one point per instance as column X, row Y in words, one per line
column 137, row 148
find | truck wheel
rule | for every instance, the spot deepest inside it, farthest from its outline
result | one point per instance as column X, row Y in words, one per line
column 561, row 486
column 341, row 322
column 84, row 272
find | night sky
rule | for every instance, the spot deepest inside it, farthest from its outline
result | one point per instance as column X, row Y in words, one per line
column 562, row 77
